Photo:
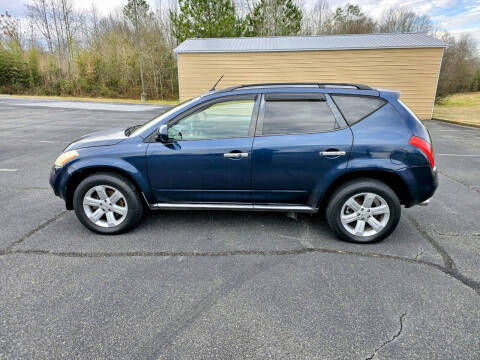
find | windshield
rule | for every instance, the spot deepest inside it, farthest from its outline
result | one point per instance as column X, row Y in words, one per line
column 159, row 118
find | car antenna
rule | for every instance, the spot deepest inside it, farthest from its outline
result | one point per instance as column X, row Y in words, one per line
column 214, row 86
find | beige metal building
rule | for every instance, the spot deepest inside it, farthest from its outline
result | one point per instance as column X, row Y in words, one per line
column 406, row 62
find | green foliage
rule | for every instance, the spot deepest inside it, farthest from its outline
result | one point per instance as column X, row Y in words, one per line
column 33, row 66
column 14, row 70
column 205, row 19
column 274, row 18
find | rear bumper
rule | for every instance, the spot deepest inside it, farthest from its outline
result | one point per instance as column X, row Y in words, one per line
column 422, row 182
column 424, row 203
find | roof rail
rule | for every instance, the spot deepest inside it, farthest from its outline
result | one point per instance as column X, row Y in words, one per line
column 358, row 86
column 320, row 85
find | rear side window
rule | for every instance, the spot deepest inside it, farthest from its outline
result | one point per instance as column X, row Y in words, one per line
column 297, row 114
column 355, row 108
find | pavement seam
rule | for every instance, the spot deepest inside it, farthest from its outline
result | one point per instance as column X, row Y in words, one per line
column 458, row 181
column 447, row 259
column 30, row 233
column 390, row 340
column 418, row 255
column 472, row 284
column 449, row 267
column 454, row 234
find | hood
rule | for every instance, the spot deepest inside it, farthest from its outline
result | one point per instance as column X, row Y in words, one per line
column 100, row 138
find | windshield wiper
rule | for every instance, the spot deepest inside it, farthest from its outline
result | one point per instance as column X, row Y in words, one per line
column 131, row 129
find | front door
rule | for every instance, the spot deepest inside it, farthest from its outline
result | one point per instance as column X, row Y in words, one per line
column 300, row 145
column 208, row 157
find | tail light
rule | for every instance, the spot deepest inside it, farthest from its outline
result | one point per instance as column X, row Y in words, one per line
column 425, row 146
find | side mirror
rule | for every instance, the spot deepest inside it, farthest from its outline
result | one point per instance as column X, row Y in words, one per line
column 162, row 133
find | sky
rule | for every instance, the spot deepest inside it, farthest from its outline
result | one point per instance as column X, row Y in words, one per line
column 455, row 16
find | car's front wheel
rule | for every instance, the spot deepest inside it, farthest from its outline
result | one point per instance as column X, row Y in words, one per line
column 107, row 203
column 364, row 211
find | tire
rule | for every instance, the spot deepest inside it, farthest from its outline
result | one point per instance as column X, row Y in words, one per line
column 379, row 219
column 122, row 201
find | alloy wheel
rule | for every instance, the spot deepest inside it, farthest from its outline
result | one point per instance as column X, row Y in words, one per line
column 365, row 214
column 105, row 206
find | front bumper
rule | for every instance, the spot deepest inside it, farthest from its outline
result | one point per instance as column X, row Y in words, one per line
column 59, row 178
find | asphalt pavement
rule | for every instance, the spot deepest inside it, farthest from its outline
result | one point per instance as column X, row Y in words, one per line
column 228, row 285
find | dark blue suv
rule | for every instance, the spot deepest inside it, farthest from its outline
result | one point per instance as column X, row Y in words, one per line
column 357, row 153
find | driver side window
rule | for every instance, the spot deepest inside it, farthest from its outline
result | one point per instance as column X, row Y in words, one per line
column 221, row 120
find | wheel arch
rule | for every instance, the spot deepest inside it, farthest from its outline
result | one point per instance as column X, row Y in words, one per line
column 394, row 181
column 79, row 175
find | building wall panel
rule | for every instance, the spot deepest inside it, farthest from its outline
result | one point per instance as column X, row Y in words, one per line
column 412, row 71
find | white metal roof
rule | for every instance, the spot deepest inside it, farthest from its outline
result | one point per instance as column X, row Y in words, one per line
column 305, row 43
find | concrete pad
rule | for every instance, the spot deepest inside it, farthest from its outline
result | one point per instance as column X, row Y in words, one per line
column 84, row 105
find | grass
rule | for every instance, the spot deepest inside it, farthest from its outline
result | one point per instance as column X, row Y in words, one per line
column 96, row 99
column 460, row 108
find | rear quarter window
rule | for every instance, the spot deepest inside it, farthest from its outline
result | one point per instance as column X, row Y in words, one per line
column 355, row 108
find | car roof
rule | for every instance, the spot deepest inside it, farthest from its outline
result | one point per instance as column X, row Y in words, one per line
column 345, row 88
column 302, row 84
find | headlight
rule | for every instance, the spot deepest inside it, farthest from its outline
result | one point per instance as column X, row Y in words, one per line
column 66, row 157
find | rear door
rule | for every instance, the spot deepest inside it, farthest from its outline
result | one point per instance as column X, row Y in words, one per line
column 300, row 143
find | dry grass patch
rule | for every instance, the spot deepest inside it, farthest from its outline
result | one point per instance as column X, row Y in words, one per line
column 96, row 99
column 461, row 108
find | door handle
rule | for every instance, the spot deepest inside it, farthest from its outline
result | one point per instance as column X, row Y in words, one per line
column 332, row 153
column 235, row 155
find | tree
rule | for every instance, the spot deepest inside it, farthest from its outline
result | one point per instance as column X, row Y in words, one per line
column 400, row 19
column 205, row 19
column 351, row 20
column 476, row 80
column 274, row 18
column 134, row 10
column 39, row 18
column 458, row 65
column 319, row 20
column 10, row 28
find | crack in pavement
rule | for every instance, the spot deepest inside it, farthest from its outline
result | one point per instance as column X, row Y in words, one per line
column 447, row 259
column 30, row 233
column 472, row 284
column 418, row 255
column 449, row 267
column 454, row 234
column 458, row 181
column 389, row 341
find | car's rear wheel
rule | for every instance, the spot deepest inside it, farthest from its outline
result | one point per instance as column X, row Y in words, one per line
column 107, row 203
column 363, row 211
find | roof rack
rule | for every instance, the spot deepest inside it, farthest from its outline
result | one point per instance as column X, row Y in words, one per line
column 320, row 85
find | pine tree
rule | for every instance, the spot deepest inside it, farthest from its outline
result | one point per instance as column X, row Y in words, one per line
column 205, row 19
column 274, row 18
